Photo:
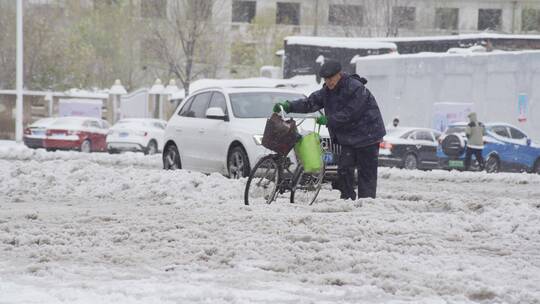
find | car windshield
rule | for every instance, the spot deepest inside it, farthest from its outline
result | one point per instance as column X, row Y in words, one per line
column 259, row 104
column 68, row 121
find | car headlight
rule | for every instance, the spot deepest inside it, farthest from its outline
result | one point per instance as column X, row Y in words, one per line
column 258, row 139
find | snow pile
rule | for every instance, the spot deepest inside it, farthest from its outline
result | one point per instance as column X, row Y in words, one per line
column 78, row 228
column 21, row 152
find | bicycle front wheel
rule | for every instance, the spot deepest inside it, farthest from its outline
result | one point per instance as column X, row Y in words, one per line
column 307, row 187
column 263, row 181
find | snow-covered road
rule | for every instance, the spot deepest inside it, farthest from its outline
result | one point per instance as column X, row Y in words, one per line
column 78, row 228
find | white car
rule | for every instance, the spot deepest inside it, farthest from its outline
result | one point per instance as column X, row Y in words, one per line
column 220, row 129
column 136, row 134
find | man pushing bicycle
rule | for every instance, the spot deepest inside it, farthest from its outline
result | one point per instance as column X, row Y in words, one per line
column 355, row 123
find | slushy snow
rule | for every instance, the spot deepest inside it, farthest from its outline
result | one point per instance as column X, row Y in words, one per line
column 98, row 228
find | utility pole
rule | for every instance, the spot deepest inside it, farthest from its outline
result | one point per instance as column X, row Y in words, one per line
column 20, row 53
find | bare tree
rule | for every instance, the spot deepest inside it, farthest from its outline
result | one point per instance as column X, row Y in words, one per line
column 183, row 41
column 109, row 32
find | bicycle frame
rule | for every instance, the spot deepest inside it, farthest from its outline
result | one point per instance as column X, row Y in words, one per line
column 290, row 183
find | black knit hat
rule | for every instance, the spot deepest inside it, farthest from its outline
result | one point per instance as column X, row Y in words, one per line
column 329, row 69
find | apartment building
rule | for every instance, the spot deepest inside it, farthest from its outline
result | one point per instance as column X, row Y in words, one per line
column 408, row 17
column 372, row 18
column 250, row 31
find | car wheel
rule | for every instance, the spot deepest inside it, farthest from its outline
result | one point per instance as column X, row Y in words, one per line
column 410, row 162
column 238, row 163
column 152, row 148
column 171, row 158
column 50, row 149
column 492, row 164
column 86, row 147
column 112, row 151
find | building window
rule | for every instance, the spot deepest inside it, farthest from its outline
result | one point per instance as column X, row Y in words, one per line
column 404, row 17
column 288, row 13
column 530, row 20
column 348, row 15
column 154, row 8
column 489, row 19
column 446, row 18
column 243, row 11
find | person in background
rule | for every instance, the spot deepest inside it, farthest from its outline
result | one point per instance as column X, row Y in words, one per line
column 355, row 123
column 475, row 131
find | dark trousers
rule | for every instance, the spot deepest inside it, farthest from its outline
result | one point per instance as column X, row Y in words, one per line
column 477, row 154
column 366, row 161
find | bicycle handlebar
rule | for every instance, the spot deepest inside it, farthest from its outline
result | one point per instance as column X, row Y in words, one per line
column 282, row 112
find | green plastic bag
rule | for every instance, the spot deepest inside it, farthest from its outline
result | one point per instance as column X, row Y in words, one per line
column 309, row 151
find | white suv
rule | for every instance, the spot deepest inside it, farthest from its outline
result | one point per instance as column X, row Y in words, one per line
column 220, row 129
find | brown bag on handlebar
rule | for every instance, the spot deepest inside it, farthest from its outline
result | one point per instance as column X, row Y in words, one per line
column 280, row 135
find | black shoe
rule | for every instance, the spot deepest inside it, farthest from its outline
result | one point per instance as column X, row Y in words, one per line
column 344, row 196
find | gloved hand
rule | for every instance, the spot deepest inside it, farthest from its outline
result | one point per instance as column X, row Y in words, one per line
column 322, row 120
column 285, row 104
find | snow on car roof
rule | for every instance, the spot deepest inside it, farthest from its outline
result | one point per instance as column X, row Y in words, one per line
column 261, row 90
column 257, row 82
column 260, row 82
column 71, row 120
column 43, row 122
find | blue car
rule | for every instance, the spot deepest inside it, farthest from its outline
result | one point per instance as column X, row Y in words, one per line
column 506, row 148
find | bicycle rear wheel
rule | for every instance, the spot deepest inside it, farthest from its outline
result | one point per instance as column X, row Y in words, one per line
column 263, row 181
column 307, row 187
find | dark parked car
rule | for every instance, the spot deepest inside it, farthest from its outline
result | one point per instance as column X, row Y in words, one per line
column 409, row 148
column 35, row 133
column 506, row 148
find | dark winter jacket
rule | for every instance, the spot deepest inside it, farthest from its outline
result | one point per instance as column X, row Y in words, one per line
column 353, row 115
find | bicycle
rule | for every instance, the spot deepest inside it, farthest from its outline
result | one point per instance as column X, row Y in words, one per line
column 272, row 176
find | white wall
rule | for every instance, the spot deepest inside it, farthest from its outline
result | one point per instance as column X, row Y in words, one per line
column 408, row 85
